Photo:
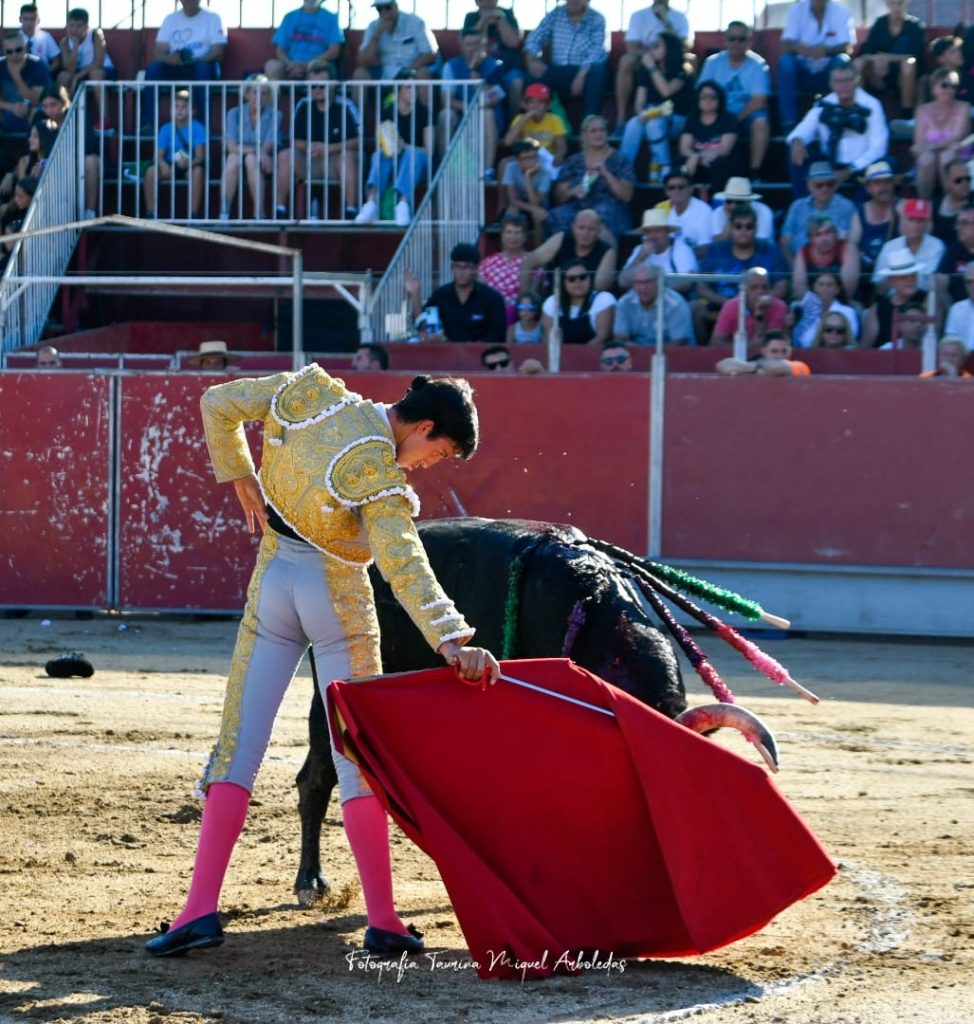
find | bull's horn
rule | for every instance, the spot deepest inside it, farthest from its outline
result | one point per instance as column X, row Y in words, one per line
column 716, row 716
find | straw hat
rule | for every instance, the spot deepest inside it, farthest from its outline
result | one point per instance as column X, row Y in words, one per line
column 901, row 264
column 738, row 190
column 658, row 219
column 212, row 348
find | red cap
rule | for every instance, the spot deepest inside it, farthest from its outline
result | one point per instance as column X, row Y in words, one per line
column 537, row 91
column 918, row 209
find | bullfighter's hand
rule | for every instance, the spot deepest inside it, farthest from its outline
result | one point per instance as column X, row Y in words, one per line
column 252, row 502
column 473, row 664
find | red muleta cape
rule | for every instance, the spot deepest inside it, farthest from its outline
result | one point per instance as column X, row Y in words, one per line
column 559, row 831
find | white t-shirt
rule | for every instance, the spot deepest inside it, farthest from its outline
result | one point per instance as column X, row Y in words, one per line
column 960, row 321
column 645, row 26
column 694, row 223
column 600, row 302
column 837, row 28
column 678, row 258
column 42, row 44
column 199, row 33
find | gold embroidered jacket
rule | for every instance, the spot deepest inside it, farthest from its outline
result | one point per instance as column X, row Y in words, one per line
column 329, row 470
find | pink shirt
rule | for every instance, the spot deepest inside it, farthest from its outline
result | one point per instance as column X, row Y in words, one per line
column 727, row 319
column 505, row 275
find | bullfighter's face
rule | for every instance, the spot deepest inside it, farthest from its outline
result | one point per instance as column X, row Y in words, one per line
column 417, row 450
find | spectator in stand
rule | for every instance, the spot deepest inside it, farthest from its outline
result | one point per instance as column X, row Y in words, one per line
column 746, row 79
column 956, row 181
column 583, row 314
column 251, row 135
column 684, row 211
column 645, row 27
column 39, row 42
column 637, row 312
column 405, row 150
column 815, row 33
column 847, row 127
column 13, row 213
column 31, row 164
column 891, row 58
column 877, row 214
column 901, row 287
column 835, row 330
column 324, row 127
column 825, row 297
column 539, row 123
column 939, row 128
column 189, row 47
column 23, row 78
column 212, row 355
column 48, row 358
column 596, row 178
column 527, row 329
column 662, row 102
column 395, row 42
column 577, row 64
column 370, row 358
column 473, row 64
column 709, row 137
column 763, row 311
column 502, row 270
column 54, row 107
column 583, row 243
column 84, row 54
column 615, row 357
column 952, row 355
column 823, row 198
column 469, row 310
column 308, row 34
column 497, row 359
column 773, row 360
column 503, row 35
column 945, row 52
column 960, row 316
column 180, row 156
column 737, row 193
column 909, row 326
column 952, row 272
column 825, row 251
column 660, row 247
column 915, row 242
column 527, row 187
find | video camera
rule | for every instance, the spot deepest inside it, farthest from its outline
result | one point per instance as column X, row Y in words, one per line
column 838, row 119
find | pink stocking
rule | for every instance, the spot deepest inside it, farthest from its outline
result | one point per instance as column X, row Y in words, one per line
column 224, row 814
column 367, row 829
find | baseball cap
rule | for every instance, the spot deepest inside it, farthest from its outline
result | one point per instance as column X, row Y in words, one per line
column 918, row 209
column 537, row 91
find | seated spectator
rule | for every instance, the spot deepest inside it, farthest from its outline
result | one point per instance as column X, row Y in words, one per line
column 307, row 34
column 531, row 367
column 468, row 309
column 660, row 247
column 615, row 357
column 596, row 178
column 823, row 198
column 773, row 360
column 582, row 242
column 13, row 213
column 502, row 270
column 395, row 42
column 945, row 52
column 577, row 63
column 738, row 193
column 500, row 28
column 645, row 27
column 663, row 100
column 189, row 46
column 527, row 187
column 909, row 324
column 84, row 54
column 891, row 58
column 826, row 296
column 527, row 329
column 709, row 137
column 23, row 78
column 637, row 312
column 538, row 122
column 370, row 358
column 497, row 359
column 956, row 183
column 251, row 134
column 48, row 358
column 960, row 316
column 825, row 251
column 31, row 164
column 815, row 33
column 901, row 287
column 583, row 314
column 212, row 355
column 473, row 64
column 847, row 128
column 746, row 79
column 940, row 127
column 324, row 128
column 180, row 156
column 54, row 108
column 950, row 279
column 952, row 355
column 684, row 211
column 835, row 330
column 914, row 242
column 877, row 214
column 402, row 156
column 763, row 311
column 40, row 43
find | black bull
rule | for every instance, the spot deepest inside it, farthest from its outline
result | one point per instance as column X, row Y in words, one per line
column 542, row 585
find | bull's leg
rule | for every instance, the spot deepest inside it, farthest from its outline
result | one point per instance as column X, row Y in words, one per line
column 315, row 782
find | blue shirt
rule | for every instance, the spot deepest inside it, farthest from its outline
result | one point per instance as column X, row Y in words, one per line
column 173, row 138
column 575, row 43
column 458, row 70
column 304, row 36
column 752, row 78
column 840, row 209
column 720, row 259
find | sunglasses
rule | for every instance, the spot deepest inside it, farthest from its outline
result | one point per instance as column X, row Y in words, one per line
column 708, row 95
column 676, row 188
column 833, row 329
column 744, row 226
column 614, row 360
column 948, row 85
column 523, row 307
column 959, row 181
column 500, row 364
column 576, row 277
column 16, row 49
column 821, row 184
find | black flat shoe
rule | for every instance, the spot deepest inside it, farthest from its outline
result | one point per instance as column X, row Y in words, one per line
column 204, row 931
column 385, row 943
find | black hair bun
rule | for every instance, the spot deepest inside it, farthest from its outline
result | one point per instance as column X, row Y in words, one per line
column 419, row 382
